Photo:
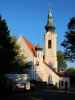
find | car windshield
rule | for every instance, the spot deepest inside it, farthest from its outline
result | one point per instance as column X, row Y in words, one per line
column 18, row 77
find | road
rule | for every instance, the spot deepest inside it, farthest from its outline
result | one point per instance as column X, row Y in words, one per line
column 39, row 94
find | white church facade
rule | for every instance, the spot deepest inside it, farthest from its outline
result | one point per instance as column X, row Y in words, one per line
column 44, row 59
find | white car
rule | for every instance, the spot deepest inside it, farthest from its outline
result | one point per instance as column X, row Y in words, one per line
column 19, row 81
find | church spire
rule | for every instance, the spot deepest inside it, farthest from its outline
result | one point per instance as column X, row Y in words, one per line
column 50, row 25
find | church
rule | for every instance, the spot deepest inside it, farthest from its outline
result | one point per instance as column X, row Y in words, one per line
column 44, row 60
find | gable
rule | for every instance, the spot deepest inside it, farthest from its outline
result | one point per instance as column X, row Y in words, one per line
column 26, row 45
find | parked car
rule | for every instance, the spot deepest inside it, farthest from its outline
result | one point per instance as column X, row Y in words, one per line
column 18, row 81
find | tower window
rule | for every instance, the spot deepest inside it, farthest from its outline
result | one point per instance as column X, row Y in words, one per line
column 49, row 43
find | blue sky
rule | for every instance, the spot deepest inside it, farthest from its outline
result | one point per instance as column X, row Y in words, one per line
column 28, row 17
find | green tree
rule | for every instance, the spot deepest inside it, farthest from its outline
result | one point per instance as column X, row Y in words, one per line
column 69, row 40
column 22, row 59
column 9, row 51
column 62, row 64
column 71, row 70
column 7, row 48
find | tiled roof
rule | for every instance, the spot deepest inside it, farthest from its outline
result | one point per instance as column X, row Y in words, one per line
column 29, row 44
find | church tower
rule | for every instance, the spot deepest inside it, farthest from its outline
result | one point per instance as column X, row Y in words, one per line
column 50, row 42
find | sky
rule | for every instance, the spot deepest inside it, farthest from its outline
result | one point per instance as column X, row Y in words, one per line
column 29, row 17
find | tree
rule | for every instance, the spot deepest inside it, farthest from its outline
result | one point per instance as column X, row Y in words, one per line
column 71, row 70
column 7, row 48
column 69, row 41
column 22, row 58
column 61, row 60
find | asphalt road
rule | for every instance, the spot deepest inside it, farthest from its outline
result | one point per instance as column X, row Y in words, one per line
column 39, row 94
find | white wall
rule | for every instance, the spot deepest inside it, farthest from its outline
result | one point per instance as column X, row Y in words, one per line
column 24, row 50
column 50, row 53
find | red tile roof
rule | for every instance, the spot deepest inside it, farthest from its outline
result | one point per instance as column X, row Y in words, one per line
column 29, row 44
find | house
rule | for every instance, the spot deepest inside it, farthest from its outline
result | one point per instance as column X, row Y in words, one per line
column 44, row 60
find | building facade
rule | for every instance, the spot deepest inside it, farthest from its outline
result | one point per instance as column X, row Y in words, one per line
column 44, row 59
column 50, row 43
